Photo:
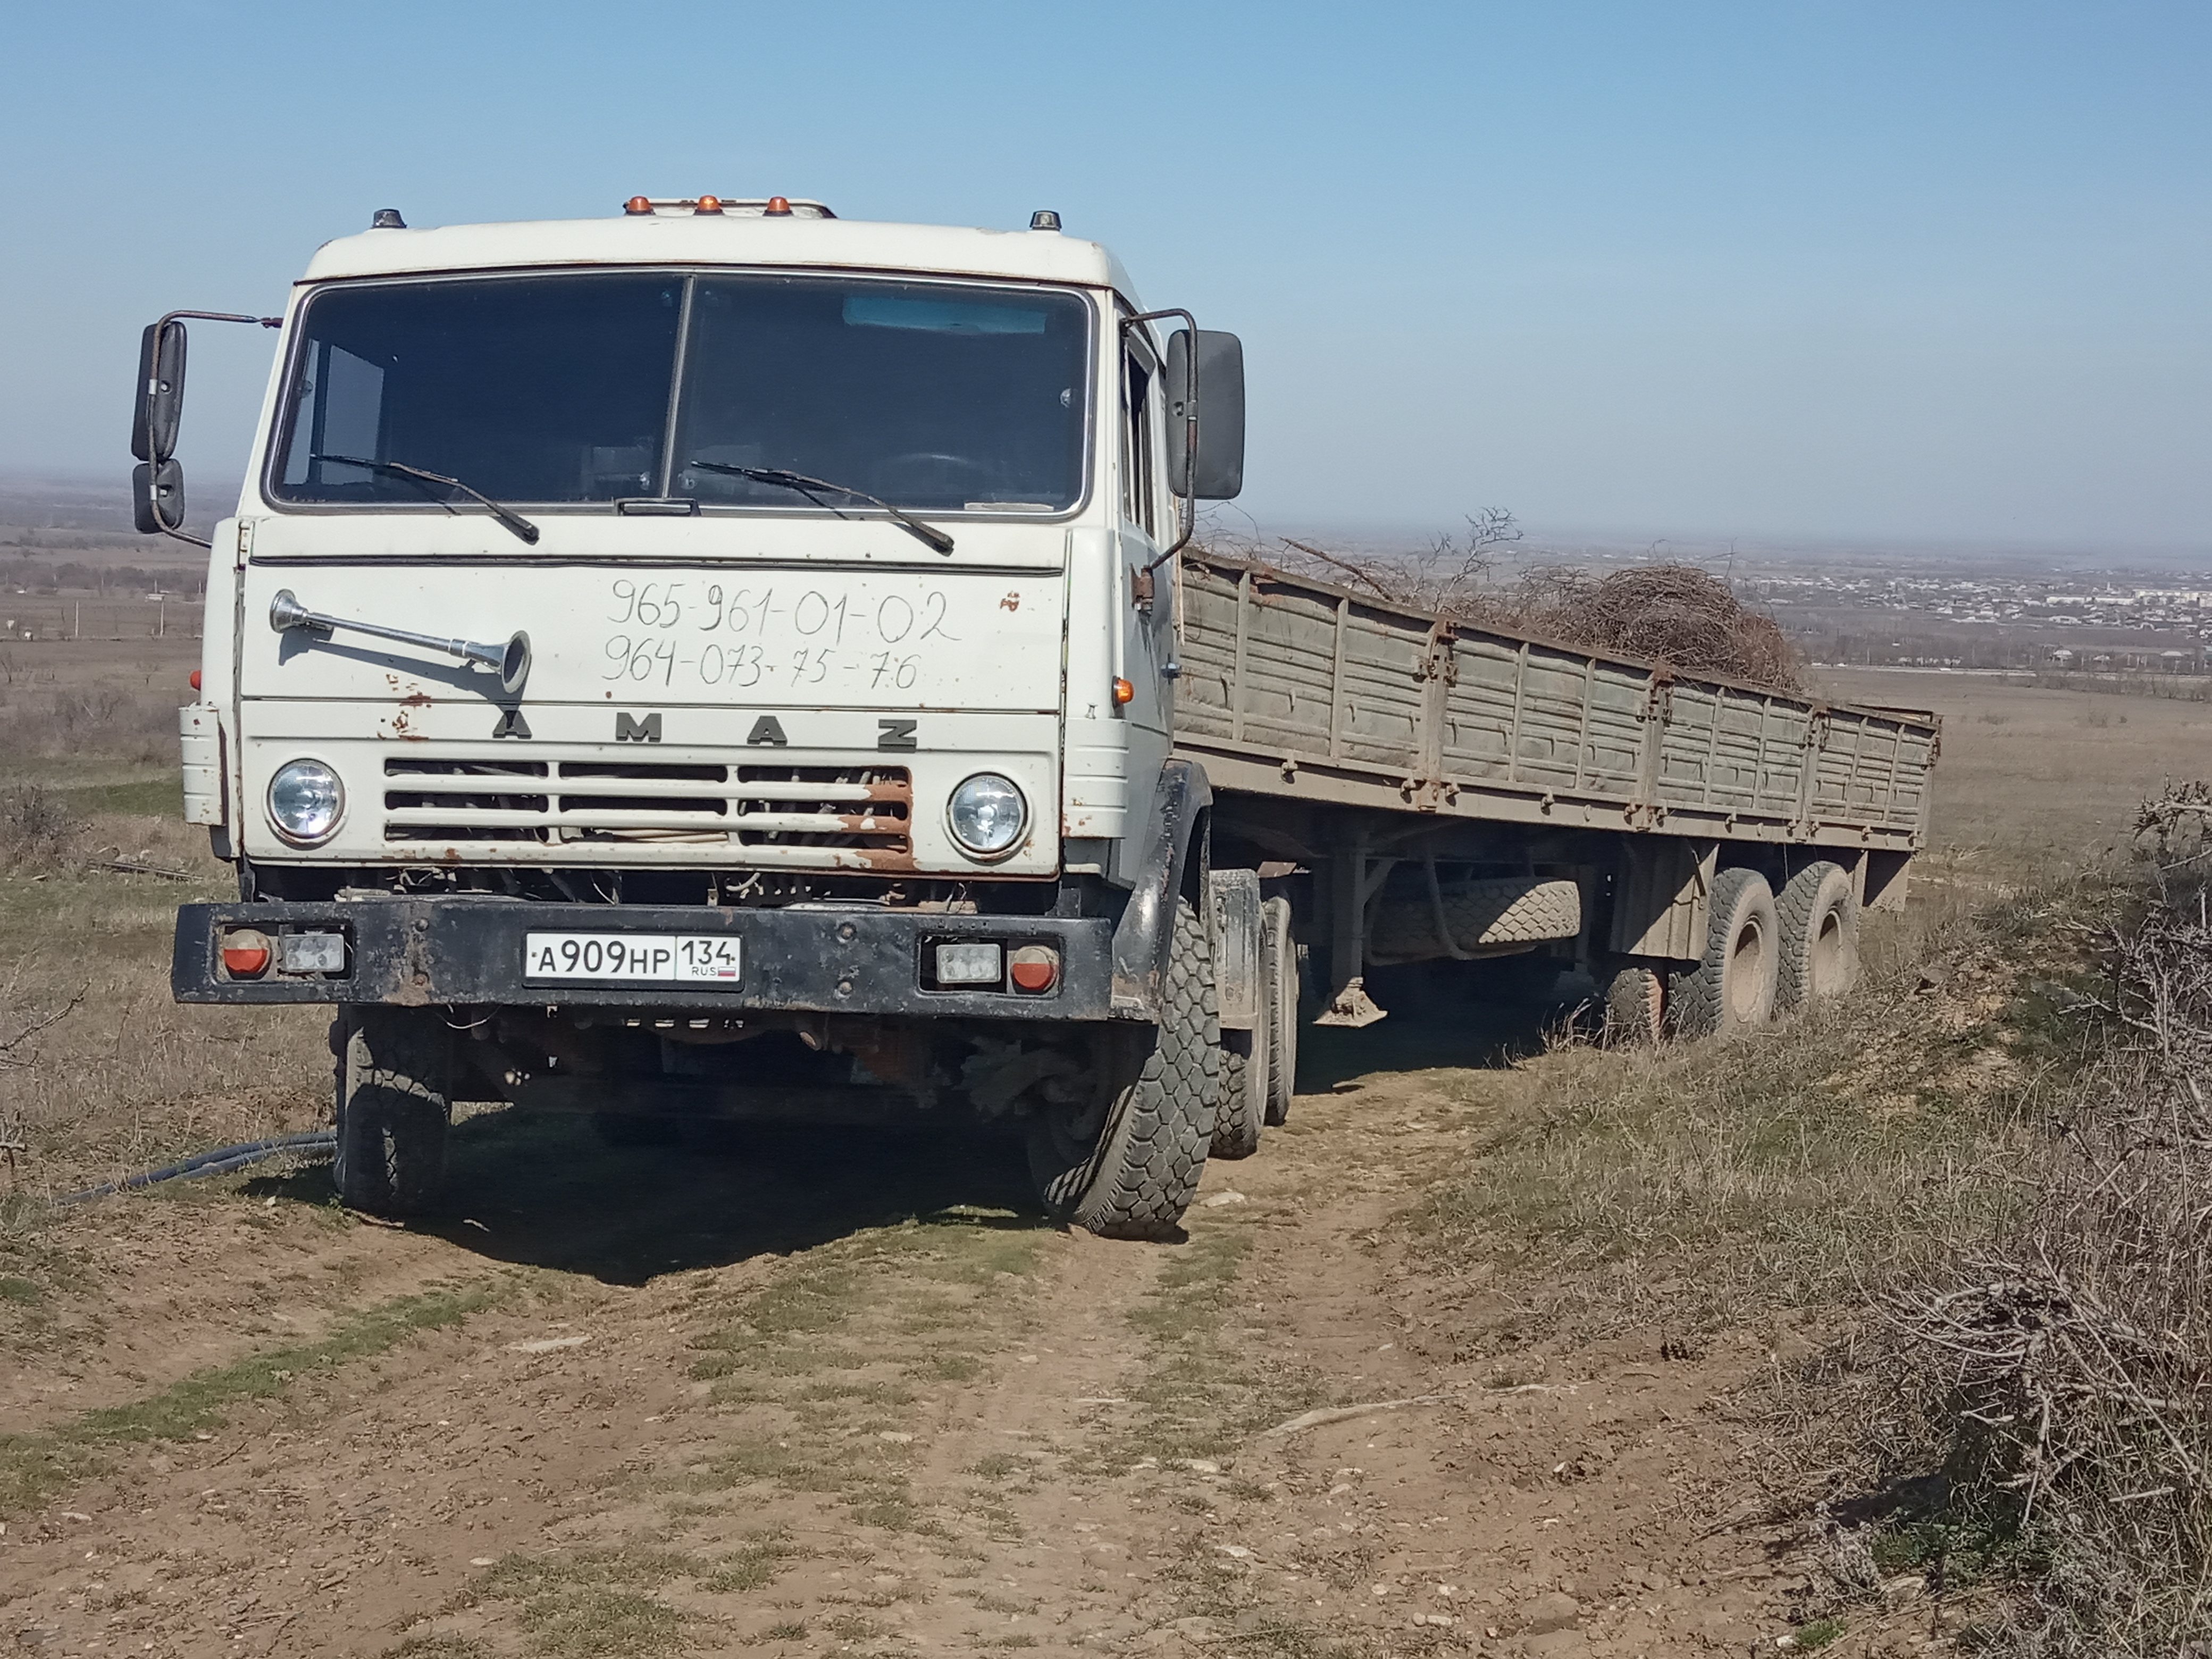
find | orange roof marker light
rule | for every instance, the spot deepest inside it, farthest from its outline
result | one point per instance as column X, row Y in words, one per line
column 733, row 207
column 1124, row 692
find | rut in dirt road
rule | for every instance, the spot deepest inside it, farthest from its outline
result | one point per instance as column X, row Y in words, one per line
column 646, row 1402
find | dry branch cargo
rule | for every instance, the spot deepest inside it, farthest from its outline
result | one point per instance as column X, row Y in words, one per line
column 727, row 662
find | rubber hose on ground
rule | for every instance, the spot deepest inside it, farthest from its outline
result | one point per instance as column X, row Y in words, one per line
column 219, row 1161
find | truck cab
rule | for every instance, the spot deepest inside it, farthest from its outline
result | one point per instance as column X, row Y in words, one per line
column 715, row 661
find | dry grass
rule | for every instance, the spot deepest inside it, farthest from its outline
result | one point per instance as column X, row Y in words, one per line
column 1702, row 1186
column 119, row 1077
column 2057, row 772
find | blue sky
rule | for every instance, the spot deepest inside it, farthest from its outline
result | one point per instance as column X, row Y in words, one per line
column 1782, row 271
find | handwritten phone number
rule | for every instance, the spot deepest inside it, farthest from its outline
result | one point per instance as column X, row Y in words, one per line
column 649, row 658
column 710, row 608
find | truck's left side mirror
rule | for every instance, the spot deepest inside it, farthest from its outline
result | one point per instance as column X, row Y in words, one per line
column 160, row 392
column 157, row 483
column 1217, row 472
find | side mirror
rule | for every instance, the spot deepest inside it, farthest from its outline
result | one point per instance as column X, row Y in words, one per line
column 160, row 403
column 157, row 482
column 157, row 497
column 1218, row 416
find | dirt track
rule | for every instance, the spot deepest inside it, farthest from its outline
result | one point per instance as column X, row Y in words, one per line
column 816, row 1396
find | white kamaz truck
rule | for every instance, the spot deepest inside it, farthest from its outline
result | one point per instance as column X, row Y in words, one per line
column 723, row 661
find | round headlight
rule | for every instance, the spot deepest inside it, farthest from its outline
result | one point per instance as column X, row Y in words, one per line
column 306, row 801
column 987, row 815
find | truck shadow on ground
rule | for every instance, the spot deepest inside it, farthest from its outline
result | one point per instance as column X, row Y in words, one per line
column 545, row 1190
column 1444, row 1016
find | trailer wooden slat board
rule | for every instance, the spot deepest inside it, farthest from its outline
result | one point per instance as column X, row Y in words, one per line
column 1299, row 689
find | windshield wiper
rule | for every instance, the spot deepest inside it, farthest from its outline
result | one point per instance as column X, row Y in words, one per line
column 806, row 486
column 507, row 515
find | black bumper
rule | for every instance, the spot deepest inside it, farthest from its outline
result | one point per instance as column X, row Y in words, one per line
column 414, row 952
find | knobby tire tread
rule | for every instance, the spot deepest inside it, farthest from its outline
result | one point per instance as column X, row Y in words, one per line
column 391, row 1110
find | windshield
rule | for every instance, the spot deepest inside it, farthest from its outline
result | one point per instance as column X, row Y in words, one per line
column 596, row 387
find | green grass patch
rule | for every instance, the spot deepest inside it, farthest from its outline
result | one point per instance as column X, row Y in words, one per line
column 33, row 1466
column 595, row 1603
column 160, row 797
column 1197, row 1393
column 753, row 1566
column 1811, row 1636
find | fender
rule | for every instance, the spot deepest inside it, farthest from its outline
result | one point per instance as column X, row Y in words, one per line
column 1180, row 802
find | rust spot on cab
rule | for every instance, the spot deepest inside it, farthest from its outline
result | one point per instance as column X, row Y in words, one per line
column 419, row 700
column 1012, row 602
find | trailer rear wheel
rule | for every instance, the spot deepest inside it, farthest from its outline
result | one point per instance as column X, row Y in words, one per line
column 1633, row 1007
column 1125, row 1161
column 393, row 1079
column 1730, row 992
column 1278, row 995
column 1819, row 917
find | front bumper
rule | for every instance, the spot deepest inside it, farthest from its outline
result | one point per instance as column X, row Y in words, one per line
column 415, row 952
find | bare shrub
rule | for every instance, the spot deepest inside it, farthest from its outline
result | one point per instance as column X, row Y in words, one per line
column 36, row 828
column 2065, row 1371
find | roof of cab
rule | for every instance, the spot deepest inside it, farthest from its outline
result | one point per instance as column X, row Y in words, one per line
column 689, row 239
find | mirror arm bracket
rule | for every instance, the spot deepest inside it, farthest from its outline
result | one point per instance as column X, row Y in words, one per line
column 154, row 467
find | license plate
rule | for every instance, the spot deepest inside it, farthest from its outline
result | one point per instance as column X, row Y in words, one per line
column 631, row 958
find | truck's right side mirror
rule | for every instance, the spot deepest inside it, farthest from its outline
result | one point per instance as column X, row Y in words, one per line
column 157, row 484
column 1219, row 465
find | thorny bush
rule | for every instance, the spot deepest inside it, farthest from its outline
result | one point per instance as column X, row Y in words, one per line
column 2068, row 1366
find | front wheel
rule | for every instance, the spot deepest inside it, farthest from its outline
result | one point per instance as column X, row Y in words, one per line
column 393, row 1084
column 1124, row 1159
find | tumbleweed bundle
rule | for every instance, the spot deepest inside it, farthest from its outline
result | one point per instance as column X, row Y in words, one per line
column 1669, row 613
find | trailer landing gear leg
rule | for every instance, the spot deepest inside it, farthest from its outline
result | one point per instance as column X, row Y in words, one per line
column 1350, row 886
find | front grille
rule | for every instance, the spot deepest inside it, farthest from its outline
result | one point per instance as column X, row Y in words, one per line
column 802, row 817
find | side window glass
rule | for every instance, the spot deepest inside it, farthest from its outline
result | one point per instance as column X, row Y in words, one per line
column 1137, row 476
column 342, row 413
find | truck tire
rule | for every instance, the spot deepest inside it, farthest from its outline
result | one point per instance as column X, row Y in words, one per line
column 1632, row 1008
column 1244, row 1091
column 393, row 1082
column 1731, row 993
column 1495, row 915
column 1278, row 994
column 1126, row 1163
column 1819, row 916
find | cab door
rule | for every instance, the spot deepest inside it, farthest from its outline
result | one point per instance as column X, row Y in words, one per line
column 1145, row 525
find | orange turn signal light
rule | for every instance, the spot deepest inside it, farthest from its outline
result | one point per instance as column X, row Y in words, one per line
column 1124, row 692
column 196, row 679
column 778, row 208
column 245, row 953
column 708, row 205
column 638, row 204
